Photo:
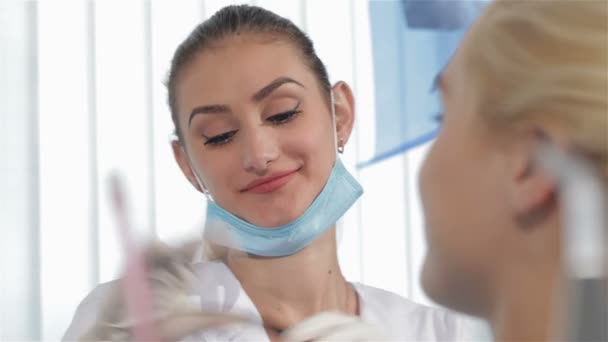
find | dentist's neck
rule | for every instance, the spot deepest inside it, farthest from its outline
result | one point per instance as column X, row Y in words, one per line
column 290, row 288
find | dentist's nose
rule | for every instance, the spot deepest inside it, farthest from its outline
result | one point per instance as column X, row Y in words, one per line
column 260, row 148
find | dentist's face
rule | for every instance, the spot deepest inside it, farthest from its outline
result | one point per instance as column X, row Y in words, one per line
column 257, row 128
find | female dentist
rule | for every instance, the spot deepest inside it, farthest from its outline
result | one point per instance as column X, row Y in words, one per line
column 259, row 129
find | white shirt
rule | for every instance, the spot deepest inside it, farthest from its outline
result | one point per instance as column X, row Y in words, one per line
column 220, row 291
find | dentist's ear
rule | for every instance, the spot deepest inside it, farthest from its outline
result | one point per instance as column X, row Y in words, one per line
column 344, row 104
column 184, row 164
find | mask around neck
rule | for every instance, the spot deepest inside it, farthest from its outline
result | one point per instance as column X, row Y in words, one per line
column 339, row 193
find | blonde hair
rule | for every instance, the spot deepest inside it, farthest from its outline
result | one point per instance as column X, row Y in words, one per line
column 545, row 62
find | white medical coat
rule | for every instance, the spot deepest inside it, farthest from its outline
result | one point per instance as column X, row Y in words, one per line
column 220, row 291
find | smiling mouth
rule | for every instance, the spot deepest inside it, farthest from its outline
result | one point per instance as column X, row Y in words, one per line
column 270, row 184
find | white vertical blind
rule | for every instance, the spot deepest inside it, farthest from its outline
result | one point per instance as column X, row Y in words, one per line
column 122, row 120
column 179, row 210
column 19, row 219
column 82, row 96
column 64, row 170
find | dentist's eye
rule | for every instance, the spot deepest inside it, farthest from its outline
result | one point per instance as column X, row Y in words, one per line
column 285, row 117
column 220, row 139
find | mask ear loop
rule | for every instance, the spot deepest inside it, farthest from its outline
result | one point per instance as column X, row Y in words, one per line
column 197, row 178
column 339, row 149
column 337, row 142
column 200, row 183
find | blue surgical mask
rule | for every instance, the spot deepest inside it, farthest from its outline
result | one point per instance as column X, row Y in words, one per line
column 338, row 195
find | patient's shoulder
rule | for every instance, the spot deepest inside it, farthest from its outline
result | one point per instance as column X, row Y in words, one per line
column 404, row 319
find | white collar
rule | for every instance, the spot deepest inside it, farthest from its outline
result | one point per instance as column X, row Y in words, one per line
column 218, row 290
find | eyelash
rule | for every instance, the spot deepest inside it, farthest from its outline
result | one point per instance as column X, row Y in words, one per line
column 220, row 139
column 285, row 117
column 276, row 120
column 438, row 117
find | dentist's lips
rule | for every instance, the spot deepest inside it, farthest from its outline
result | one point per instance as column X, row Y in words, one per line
column 271, row 183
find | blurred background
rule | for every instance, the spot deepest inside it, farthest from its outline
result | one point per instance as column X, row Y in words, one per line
column 82, row 95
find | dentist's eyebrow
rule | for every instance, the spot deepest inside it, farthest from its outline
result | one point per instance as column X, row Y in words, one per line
column 272, row 86
column 210, row 109
column 257, row 97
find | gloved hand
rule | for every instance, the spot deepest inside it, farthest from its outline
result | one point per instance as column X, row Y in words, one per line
column 174, row 316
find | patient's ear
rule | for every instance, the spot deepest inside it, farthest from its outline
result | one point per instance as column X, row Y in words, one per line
column 532, row 190
column 181, row 158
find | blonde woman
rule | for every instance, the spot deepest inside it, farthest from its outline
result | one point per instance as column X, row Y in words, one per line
column 528, row 73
